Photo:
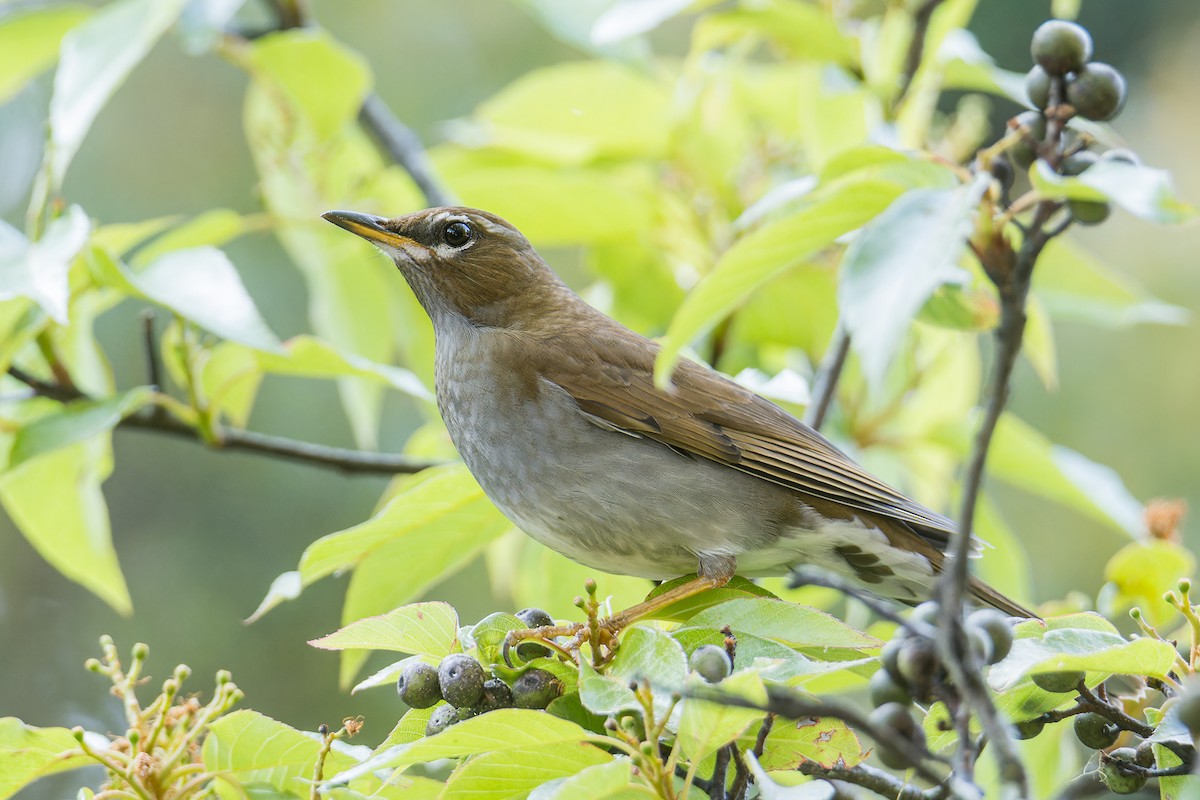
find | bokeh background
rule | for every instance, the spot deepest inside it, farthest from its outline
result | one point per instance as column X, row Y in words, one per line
column 200, row 534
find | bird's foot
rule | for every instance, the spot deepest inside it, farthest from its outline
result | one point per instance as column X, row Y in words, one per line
column 601, row 634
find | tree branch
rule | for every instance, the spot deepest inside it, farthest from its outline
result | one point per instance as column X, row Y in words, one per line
column 826, row 381
column 876, row 780
column 341, row 459
column 916, row 45
column 402, row 146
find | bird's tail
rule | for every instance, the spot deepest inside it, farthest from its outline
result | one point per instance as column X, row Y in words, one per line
column 986, row 594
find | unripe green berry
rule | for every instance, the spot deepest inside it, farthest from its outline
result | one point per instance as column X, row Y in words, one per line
column 895, row 719
column 712, row 662
column 1115, row 778
column 1023, row 153
column 998, row 629
column 418, row 685
column 442, row 718
column 536, row 688
column 1187, row 710
column 1057, row 682
column 1037, row 86
column 1095, row 731
column 883, row 689
column 1030, row 728
column 460, row 679
column 1089, row 212
column 1097, row 92
column 1059, row 46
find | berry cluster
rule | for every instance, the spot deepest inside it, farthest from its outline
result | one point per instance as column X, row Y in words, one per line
column 1065, row 82
column 463, row 683
column 913, row 673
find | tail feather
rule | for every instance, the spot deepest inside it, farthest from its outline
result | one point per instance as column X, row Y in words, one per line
column 986, row 594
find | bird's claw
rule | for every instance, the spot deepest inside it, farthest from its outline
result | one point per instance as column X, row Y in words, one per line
column 602, row 635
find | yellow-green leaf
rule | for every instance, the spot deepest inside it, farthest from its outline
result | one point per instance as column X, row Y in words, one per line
column 29, row 43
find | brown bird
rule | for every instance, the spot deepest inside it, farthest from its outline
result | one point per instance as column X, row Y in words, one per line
column 553, row 407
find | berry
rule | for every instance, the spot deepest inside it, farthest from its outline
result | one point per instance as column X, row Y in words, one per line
column 889, row 656
column 885, row 689
column 918, row 666
column 442, row 717
column 1115, row 778
column 1030, row 728
column 496, row 694
column 928, row 613
column 1078, row 163
column 1089, row 212
column 1059, row 46
column 1057, row 682
column 894, row 718
column 1095, row 731
column 712, row 662
column 536, row 688
column 418, row 685
column 1097, row 92
column 997, row 627
column 1002, row 171
column 1037, row 86
column 535, row 618
column 1023, row 153
column 461, row 680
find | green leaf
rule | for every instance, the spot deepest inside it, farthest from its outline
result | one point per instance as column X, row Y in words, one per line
column 825, row 740
column 96, row 58
column 788, row 623
column 801, row 31
column 229, row 381
column 75, row 422
column 29, row 43
column 1097, row 652
column 56, row 502
column 1140, row 573
column 1142, row 191
column 499, row 731
column 1074, row 286
column 321, row 78
column 203, row 286
column 38, row 270
column 512, row 773
column 590, row 783
column 421, row 628
column 1022, row 457
column 214, row 227
column 490, row 632
column 579, row 111
column 767, row 253
column 897, row 263
column 705, row 726
column 311, row 357
column 646, row 654
column 253, row 748
column 1037, row 345
column 28, row 753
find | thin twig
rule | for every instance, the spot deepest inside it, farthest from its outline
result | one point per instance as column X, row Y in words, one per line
column 916, row 45
column 403, row 147
column 150, row 348
column 826, row 381
column 342, row 459
column 876, row 780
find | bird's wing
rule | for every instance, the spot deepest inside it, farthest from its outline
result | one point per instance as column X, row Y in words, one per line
column 708, row 416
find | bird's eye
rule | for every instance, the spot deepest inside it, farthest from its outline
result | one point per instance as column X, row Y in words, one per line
column 456, row 234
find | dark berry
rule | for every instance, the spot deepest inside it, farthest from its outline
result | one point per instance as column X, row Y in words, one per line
column 1030, row 728
column 1002, row 171
column 998, row 629
column 1113, row 773
column 1024, row 152
column 894, row 719
column 1187, row 709
column 461, row 680
column 1037, row 86
column 1059, row 46
column 1057, row 682
column 442, row 717
column 535, row 618
column 496, row 694
column 918, row 666
column 884, row 689
column 1095, row 731
column 712, row 662
column 1078, row 163
column 1097, row 92
column 418, row 685
column 1089, row 212
column 535, row 689
column 889, row 655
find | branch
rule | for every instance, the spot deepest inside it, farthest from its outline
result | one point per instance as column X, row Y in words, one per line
column 916, row 45
column 402, row 146
column 876, row 780
column 826, row 381
column 342, row 459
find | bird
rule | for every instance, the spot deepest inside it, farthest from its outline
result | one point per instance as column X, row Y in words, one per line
column 554, row 409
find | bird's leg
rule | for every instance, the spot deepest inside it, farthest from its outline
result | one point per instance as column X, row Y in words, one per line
column 714, row 572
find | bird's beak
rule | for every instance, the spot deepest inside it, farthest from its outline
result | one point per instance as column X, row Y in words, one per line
column 368, row 226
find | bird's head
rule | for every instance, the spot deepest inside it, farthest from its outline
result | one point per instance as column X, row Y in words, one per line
column 464, row 262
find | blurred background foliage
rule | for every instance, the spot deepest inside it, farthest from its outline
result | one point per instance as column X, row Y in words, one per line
column 200, row 534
